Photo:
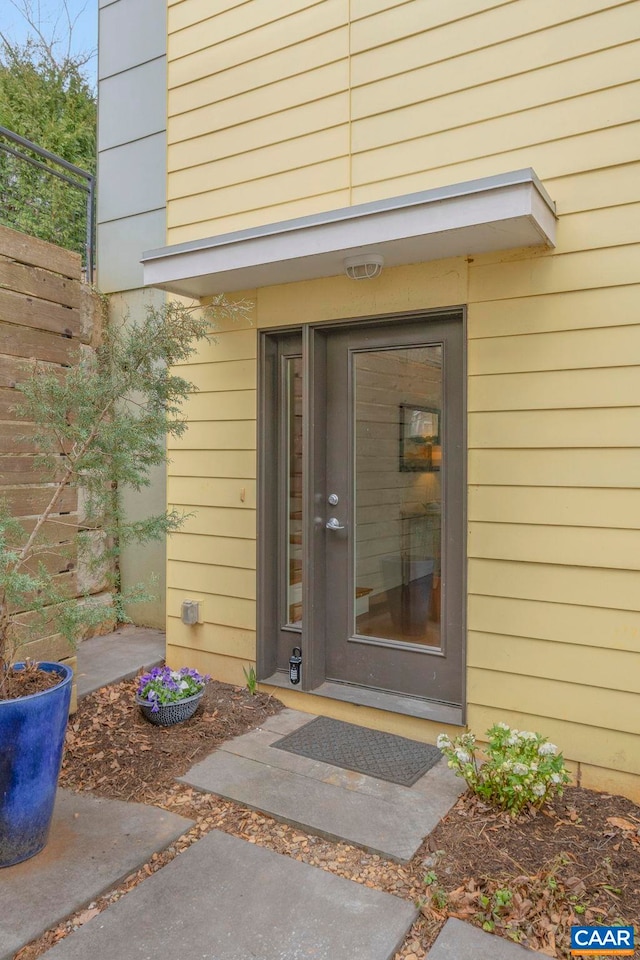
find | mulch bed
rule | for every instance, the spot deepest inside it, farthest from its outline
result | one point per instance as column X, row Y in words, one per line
column 30, row 679
column 113, row 751
column 578, row 861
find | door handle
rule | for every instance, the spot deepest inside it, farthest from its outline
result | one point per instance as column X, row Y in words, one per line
column 334, row 524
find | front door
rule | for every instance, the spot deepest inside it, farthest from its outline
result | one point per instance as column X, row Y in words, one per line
column 370, row 493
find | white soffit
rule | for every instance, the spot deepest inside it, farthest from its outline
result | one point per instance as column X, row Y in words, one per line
column 494, row 213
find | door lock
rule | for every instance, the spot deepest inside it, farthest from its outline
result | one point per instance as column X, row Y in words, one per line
column 333, row 499
column 334, row 524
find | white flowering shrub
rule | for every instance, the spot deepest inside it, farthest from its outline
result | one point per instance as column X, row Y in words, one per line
column 519, row 767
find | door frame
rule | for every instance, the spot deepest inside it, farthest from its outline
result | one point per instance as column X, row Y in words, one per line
column 314, row 338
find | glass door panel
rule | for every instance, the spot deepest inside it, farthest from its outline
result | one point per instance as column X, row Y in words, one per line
column 293, row 509
column 398, row 451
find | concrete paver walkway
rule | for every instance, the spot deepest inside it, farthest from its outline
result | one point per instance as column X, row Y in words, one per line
column 226, row 899
column 117, row 656
column 93, row 845
column 462, row 941
column 339, row 804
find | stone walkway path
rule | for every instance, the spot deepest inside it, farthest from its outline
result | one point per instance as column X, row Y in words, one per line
column 93, row 845
column 227, row 899
column 224, row 898
column 337, row 804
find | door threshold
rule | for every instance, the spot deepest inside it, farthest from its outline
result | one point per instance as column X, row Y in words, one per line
column 378, row 699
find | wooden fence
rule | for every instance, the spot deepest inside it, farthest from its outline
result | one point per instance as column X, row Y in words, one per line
column 46, row 314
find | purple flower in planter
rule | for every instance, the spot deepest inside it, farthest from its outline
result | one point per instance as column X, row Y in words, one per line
column 162, row 685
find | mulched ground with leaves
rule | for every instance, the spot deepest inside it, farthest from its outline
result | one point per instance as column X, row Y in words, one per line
column 30, row 679
column 112, row 750
column 576, row 862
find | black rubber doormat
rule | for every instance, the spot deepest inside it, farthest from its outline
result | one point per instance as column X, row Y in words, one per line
column 381, row 755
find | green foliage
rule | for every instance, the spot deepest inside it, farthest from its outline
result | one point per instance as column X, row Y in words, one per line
column 252, row 680
column 48, row 101
column 493, row 907
column 437, row 895
column 101, row 426
column 520, row 769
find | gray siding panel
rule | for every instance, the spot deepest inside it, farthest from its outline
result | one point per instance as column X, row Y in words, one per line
column 133, row 104
column 132, row 178
column 131, row 32
column 121, row 244
column 131, row 208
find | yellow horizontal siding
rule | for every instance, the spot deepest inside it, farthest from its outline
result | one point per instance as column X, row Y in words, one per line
column 588, row 706
column 267, row 214
column 213, row 463
column 234, row 612
column 201, row 578
column 552, row 121
column 557, row 506
column 559, row 157
column 219, row 522
column 278, row 128
column 227, row 668
column 267, row 69
column 295, row 185
column 184, row 13
column 231, row 375
column 218, row 551
column 212, row 492
column 590, row 360
column 227, row 345
column 422, row 18
column 569, row 545
column 318, row 84
column 401, row 43
column 588, row 587
column 590, row 467
column 321, row 18
column 560, row 622
column 517, row 58
column 233, row 22
column 555, row 428
column 222, row 405
column 565, row 662
column 604, row 748
column 551, row 274
column 210, row 638
column 594, row 189
column 586, row 350
column 613, row 782
column 365, row 8
column 594, row 229
column 226, row 435
column 516, row 96
column 555, row 389
column 258, row 164
column 571, row 310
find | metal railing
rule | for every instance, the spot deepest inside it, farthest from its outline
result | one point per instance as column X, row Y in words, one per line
column 47, row 197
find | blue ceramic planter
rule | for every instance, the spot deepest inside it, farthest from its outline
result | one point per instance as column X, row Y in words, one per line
column 32, row 733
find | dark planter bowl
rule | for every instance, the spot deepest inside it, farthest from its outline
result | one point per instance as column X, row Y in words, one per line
column 169, row 713
column 32, row 733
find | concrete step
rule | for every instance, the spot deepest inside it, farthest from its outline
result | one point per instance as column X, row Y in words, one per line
column 118, row 656
column 338, row 804
column 227, row 899
column 93, row 844
column 458, row 940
